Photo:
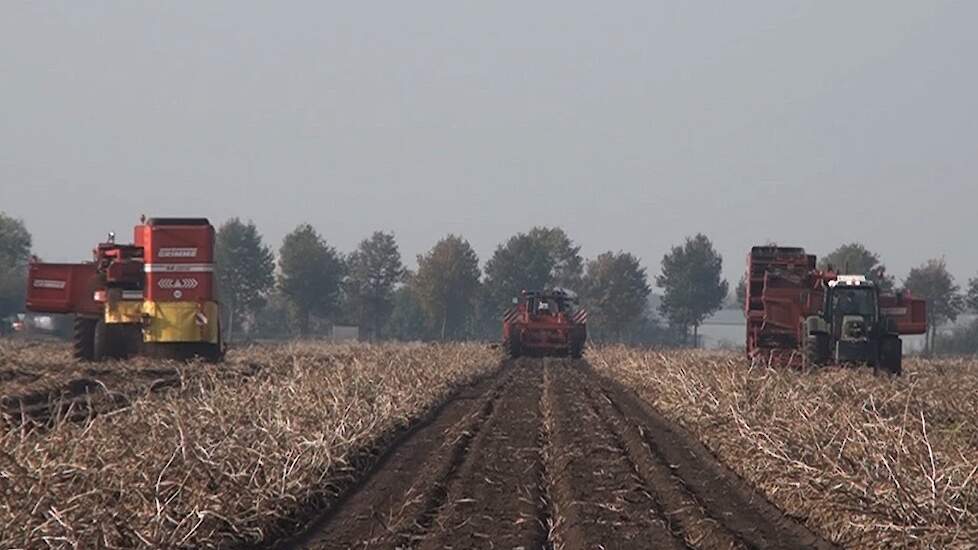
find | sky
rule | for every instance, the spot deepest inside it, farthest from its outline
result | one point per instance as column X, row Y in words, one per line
column 630, row 124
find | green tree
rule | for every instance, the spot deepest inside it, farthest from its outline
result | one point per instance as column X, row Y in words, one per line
column 310, row 276
column 542, row 258
column 692, row 278
column 742, row 292
column 856, row 259
column 407, row 321
column 971, row 299
column 932, row 282
column 245, row 271
column 567, row 266
column 15, row 251
column 615, row 292
column 374, row 270
column 273, row 319
column 447, row 285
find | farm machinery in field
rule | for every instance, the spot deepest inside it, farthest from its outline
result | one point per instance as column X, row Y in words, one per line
column 154, row 297
column 797, row 311
column 545, row 324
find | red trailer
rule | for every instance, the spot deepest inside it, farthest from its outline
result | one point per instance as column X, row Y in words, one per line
column 795, row 311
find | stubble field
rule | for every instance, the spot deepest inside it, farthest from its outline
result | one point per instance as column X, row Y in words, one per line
column 311, row 445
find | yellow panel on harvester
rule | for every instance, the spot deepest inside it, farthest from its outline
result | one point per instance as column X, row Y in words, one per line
column 180, row 322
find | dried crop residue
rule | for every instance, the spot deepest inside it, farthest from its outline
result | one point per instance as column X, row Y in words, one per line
column 868, row 461
column 40, row 383
column 222, row 459
column 550, row 455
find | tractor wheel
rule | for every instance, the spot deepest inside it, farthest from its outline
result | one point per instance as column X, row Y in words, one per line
column 815, row 349
column 891, row 355
column 83, row 339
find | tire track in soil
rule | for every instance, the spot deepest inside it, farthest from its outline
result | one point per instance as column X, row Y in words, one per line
column 599, row 498
column 498, row 500
column 708, row 502
column 397, row 503
column 686, row 518
column 550, row 454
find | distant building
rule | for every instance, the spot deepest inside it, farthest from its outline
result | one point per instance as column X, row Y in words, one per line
column 727, row 328
column 345, row 334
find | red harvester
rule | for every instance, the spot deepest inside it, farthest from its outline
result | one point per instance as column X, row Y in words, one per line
column 155, row 296
column 545, row 324
column 795, row 310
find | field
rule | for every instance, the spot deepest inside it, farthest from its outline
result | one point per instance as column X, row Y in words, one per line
column 216, row 458
column 868, row 461
column 451, row 446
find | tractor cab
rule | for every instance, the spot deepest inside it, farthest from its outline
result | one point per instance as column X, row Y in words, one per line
column 550, row 303
column 852, row 307
column 851, row 329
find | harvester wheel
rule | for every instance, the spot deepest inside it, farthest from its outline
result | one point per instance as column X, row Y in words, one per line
column 512, row 345
column 102, row 341
column 816, row 349
column 212, row 353
column 577, row 349
column 891, row 355
column 83, row 339
column 112, row 341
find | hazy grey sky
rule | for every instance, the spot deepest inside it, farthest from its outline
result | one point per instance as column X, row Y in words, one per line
column 630, row 124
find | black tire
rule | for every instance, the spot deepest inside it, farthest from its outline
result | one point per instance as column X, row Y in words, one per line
column 815, row 349
column 102, row 342
column 512, row 345
column 577, row 348
column 83, row 338
column 114, row 341
column 213, row 353
column 891, row 355
column 127, row 340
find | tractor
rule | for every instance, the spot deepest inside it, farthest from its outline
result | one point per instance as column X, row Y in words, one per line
column 795, row 310
column 153, row 297
column 545, row 324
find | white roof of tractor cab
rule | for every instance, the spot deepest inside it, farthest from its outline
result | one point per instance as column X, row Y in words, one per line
column 850, row 280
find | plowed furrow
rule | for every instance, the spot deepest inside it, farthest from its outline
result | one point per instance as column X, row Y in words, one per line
column 597, row 491
column 548, row 454
column 684, row 515
column 714, row 493
column 497, row 497
column 398, row 504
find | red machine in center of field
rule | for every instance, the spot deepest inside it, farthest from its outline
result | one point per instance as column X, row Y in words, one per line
column 545, row 324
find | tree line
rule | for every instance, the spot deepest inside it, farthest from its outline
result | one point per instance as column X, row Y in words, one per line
column 448, row 296
column 307, row 286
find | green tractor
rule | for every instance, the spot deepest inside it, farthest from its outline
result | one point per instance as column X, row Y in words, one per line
column 852, row 327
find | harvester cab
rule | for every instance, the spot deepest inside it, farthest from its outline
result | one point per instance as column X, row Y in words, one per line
column 793, row 307
column 545, row 323
column 155, row 296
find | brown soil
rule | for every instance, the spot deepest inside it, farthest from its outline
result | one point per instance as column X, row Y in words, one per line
column 548, row 454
